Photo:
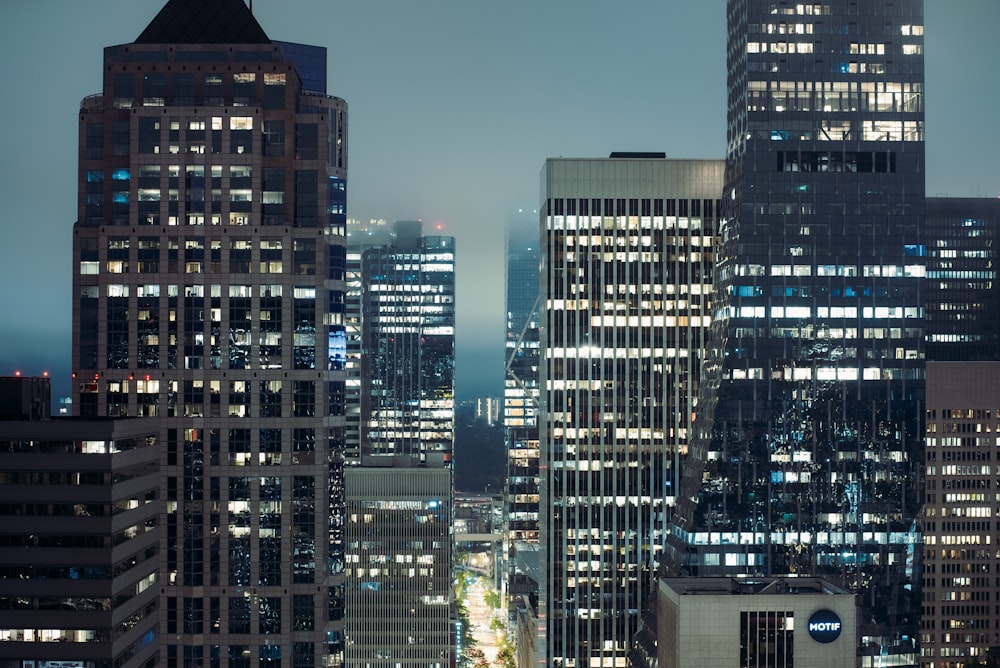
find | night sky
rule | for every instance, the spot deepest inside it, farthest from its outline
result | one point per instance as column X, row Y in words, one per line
column 453, row 108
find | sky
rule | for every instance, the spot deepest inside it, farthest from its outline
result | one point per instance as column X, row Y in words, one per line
column 454, row 105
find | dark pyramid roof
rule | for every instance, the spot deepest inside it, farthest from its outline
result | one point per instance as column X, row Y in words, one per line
column 204, row 22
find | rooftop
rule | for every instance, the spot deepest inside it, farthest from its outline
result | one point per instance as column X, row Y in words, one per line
column 204, row 22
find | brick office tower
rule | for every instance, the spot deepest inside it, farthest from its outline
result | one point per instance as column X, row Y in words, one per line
column 208, row 291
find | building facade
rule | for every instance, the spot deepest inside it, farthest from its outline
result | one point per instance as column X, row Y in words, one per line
column 959, row 624
column 79, row 541
column 400, row 494
column 209, row 292
column 520, row 408
column 760, row 622
column 810, row 459
column 399, row 521
column 963, row 297
column 627, row 251
column 408, row 345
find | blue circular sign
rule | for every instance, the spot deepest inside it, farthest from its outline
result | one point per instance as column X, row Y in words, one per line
column 825, row 626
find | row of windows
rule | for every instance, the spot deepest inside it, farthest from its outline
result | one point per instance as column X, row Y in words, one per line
column 157, row 89
column 632, row 207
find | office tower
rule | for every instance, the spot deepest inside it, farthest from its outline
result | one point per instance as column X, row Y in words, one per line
column 400, row 491
column 208, row 291
column 959, row 624
column 627, row 252
column 360, row 237
column 399, row 565
column 520, row 409
column 814, row 397
column 408, row 334
column 78, row 526
column 520, row 401
column 963, row 296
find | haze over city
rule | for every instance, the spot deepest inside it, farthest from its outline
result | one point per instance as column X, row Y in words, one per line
column 453, row 108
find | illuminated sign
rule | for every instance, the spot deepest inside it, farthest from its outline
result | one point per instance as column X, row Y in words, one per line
column 825, row 626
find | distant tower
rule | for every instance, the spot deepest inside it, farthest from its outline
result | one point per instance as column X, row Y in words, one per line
column 208, row 287
column 627, row 252
column 963, row 295
column 809, row 455
column 520, row 413
column 400, row 487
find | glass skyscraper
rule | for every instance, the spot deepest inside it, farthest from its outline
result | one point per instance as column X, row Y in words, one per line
column 408, row 346
column 963, row 306
column 809, row 460
column 520, row 411
column 627, row 251
column 208, row 291
column 399, row 487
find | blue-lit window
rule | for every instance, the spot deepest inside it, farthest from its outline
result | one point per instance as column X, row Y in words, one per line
column 95, row 176
column 337, row 349
column 120, row 175
column 915, row 250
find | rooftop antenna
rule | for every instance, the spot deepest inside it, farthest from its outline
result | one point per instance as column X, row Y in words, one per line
column 251, row 6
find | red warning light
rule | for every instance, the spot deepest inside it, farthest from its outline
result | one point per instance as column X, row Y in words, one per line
column 17, row 374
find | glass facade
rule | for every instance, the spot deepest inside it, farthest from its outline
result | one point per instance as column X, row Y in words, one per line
column 408, row 351
column 399, row 486
column 520, row 401
column 810, row 457
column 963, row 311
column 208, row 292
column 627, row 253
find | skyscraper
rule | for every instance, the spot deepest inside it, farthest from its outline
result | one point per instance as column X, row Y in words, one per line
column 627, row 251
column 959, row 623
column 520, row 401
column 810, row 460
column 208, row 291
column 963, row 297
column 408, row 344
column 400, row 488
column 78, row 528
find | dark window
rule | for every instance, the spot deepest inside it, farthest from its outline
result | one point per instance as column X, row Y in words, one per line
column 306, row 141
column 306, row 199
column 149, row 135
column 184, row 89
column 95, row 141
column 274, row 138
